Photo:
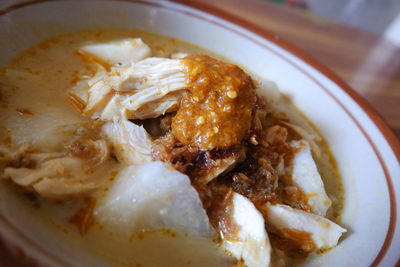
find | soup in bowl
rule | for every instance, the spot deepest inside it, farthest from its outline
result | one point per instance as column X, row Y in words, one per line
column 128, row 140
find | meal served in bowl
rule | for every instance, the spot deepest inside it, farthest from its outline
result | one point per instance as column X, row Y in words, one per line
column 135, row 145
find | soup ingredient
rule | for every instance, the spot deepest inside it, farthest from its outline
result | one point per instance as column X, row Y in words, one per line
column 167, row 103
column 153, row 196
column 268, row 89
column 249, row 240
column 304, row 175
column 217, row 112
column 202, row 166
column 131, row 143
column 83, row 218
column 125, row 51
column 219, row 105
column 132, row 92
column 154, row 78
column 61, row 175
column 302, row 227
column 310, row 138
column 258, row 176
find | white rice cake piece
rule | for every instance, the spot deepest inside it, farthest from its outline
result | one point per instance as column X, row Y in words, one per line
column 324, row 233
column 252, row 243
column 153, row 196
column 306, row 177
column 125, row 51
column 268, row 89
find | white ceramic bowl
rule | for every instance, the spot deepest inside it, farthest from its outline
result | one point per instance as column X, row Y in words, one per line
column 366, row 151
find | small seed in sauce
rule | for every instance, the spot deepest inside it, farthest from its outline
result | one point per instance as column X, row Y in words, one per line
column 226, row 108
column 232, row 94
column 200, row 120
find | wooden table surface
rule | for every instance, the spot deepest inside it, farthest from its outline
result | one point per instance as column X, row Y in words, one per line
column 367, row 62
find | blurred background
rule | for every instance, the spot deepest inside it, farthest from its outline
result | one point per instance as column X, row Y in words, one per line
column 377, row 16
column 358, row 39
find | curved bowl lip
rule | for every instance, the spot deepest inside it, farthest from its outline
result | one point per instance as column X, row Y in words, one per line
column 379, row 122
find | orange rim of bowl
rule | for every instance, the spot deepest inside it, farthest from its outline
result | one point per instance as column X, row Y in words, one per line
column 385, row 130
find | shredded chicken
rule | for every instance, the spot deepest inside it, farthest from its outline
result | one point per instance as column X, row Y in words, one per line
column 168, row 103
column 61, row 175
column 131, row 144
column 153, row 78
column 145, row 89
